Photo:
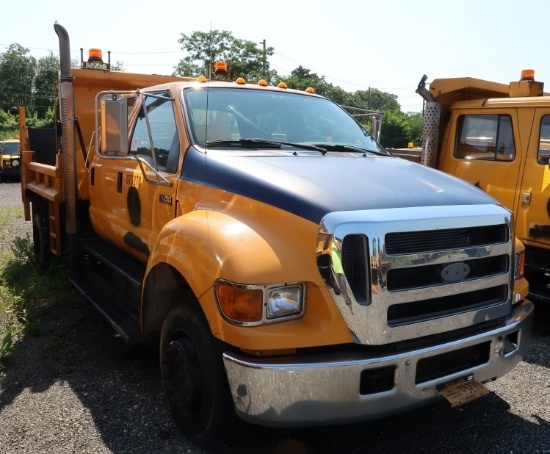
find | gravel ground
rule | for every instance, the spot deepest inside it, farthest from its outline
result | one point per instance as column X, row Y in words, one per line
column 78, row 388
column 10, row 197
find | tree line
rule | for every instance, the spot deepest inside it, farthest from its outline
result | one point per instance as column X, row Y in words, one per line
column 24, row 80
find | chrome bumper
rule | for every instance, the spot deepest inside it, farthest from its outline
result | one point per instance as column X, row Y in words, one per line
column 325, row 389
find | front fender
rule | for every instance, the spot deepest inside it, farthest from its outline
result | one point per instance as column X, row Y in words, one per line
column 203, row 246
column 207, row 245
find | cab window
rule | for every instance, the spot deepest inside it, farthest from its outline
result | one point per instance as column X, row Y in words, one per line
column 487, row 137
column 155, row 134
column 544, row 140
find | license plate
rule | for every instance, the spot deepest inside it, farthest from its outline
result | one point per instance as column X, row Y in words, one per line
column 462, row 391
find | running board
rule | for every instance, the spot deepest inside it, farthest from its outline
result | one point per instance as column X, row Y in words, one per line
column 111, row 281
column 123, row 323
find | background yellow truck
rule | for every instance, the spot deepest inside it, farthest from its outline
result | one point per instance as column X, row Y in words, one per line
column 292, row 271
column 497, row 137
column 10, row 159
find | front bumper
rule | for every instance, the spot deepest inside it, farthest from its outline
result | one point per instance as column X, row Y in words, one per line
column 10, row 172
column 328, row 389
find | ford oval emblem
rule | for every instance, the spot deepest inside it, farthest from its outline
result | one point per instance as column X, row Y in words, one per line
column 455, row 272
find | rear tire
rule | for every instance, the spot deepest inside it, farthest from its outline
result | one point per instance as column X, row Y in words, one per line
column 41, row 231
column 194, row 377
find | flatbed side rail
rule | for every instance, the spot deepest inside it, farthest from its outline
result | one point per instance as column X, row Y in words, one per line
column 47, row 182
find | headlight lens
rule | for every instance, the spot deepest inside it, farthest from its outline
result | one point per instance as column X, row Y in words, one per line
column 259, row 304
column 284, row 301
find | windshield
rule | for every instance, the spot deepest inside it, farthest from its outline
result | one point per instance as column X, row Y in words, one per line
column 11, row 148
column 219, row 116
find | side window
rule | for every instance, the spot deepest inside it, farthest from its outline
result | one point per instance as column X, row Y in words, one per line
column 155, row 134
column 488, row 137
column 544, row 140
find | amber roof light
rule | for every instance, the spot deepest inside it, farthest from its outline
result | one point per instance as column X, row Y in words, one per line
column 95, row 56
column 528, row 74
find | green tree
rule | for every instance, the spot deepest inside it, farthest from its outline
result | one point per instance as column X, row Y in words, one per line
column 17, row 72
column 395, row 129
column 44, row 84
column 244, row 58
column 302, row 78
column 416, row 127
column 9, row 126
column 374, row 99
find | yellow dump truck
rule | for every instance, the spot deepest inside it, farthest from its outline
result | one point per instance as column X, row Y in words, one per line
column 10, row 159
column 497, row 137
column 292, row 271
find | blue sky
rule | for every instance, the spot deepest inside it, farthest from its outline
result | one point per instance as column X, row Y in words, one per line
column 355, row 44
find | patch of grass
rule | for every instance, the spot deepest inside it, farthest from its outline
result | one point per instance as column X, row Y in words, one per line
column 29, row 290
column 9, row 214
column 7, row 348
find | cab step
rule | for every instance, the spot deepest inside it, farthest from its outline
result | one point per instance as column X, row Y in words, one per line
column 111, row 281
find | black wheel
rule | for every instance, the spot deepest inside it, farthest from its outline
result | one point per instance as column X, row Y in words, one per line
column 40, row 231
column 194, row 377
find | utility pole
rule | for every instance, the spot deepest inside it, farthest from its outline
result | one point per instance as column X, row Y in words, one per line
column 264, row 62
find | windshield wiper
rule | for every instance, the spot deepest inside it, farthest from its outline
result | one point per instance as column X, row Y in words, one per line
column 343, row 147
column 264, row 143
column 245, row 143
column 305, row 146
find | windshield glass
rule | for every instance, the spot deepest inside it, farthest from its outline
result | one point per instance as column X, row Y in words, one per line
column 218, row 114
column 11, row 148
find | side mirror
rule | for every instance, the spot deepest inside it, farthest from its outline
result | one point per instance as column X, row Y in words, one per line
column 114, row 124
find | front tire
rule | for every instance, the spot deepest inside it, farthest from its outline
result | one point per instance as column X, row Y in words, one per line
column 193, row 376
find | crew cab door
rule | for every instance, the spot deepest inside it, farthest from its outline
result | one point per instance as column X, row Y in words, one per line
column 533, row 215
column 485, row 148
column 134, row 195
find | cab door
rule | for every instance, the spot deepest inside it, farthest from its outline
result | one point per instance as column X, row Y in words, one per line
column 133, row 196
column 151, row 187
column 484, row 148
column 533, row 215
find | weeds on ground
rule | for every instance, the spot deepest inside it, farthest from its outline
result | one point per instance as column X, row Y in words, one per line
column 6, row 347
column 29, row 290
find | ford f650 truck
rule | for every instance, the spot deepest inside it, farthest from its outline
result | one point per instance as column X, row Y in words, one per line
column 497, row 137
column 292, row 271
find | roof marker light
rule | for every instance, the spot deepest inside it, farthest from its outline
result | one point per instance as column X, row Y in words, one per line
column 220, row 67
column 95, row 56
column 528, row 74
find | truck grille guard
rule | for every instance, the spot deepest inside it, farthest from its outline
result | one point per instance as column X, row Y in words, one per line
column 412, row 272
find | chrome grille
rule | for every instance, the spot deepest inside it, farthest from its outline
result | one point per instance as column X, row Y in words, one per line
column 433, row 240
column 413, row 272
column 417, row 311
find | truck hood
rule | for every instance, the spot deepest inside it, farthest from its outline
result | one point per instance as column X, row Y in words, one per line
column 312, row 186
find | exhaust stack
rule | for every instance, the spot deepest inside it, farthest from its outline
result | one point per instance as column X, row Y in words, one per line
column 432, row 116
column 68, row 138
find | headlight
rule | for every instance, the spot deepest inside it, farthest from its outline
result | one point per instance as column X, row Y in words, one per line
column 252, row 305
column 284, row 301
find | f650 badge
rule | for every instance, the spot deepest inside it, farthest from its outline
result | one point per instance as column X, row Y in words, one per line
column 166, row 199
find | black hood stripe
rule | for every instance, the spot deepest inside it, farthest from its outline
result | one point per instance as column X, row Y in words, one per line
column 312, row 186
